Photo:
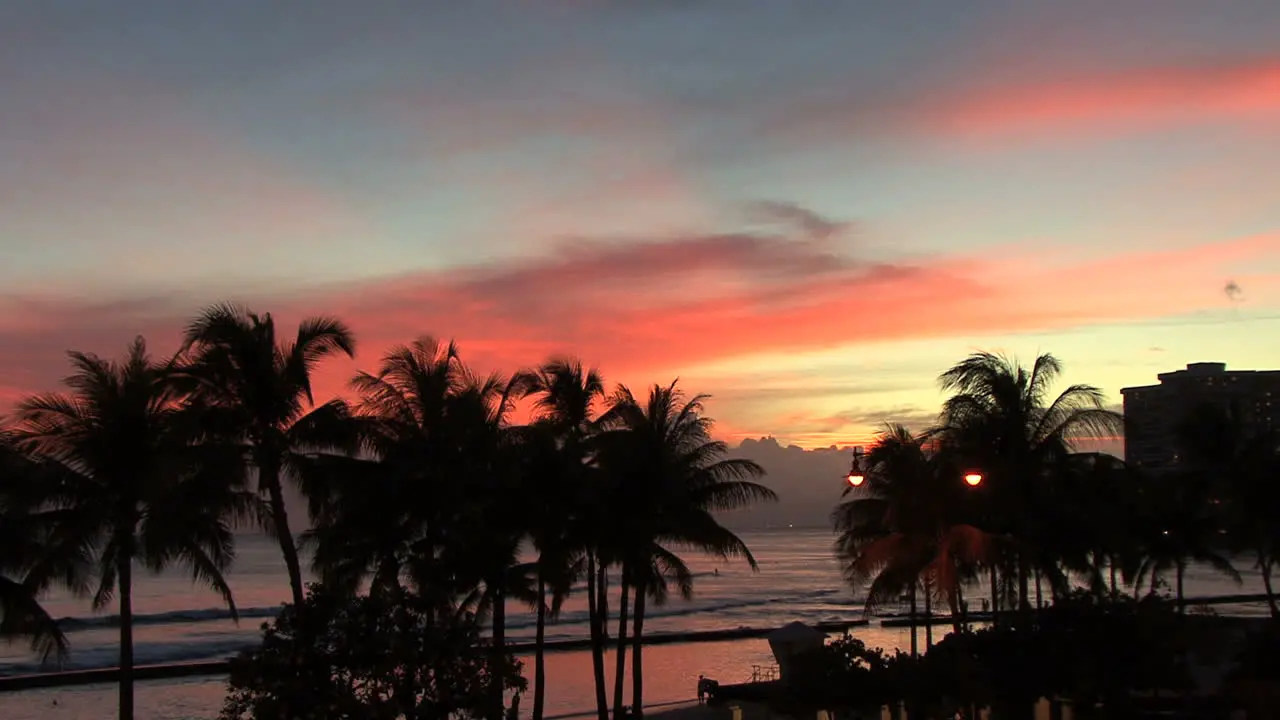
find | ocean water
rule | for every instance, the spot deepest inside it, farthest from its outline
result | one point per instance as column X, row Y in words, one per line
column 798, row 579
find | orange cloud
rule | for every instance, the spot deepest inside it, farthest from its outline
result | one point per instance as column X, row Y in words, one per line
column 645, row 311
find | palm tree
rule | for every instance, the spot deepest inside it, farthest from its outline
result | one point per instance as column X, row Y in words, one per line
column 263, row 389
column 1181, row 527
column 908, row 524
column 562, row 496
column 671, row 477
column 131, row 482
column 550, row 500
column 1239, row 474
column 494, row 524
column 31, row 558
column 1000, row 418
column 387, row 512
column 1252, row 495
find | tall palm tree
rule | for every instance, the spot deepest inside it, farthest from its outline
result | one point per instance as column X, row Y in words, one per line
column 910, row 522
column 132, row 481
column 671, row 477
column 549, row 498
column 1002, row 418
column 387, row 512
column 495, row 524
column 564, row 528
column 262, row 386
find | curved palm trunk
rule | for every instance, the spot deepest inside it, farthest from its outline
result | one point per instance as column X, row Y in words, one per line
column 539, row 651
column 620, row 673
column 1266, row 566
column 597, row 637
column 269, row 478
column 498, row 684
column 637, row 664
column 124, row 570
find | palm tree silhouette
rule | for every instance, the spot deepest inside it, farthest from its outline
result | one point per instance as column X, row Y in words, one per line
column 1000, row 418
column 31, row 557
column 261, row 390
column 671, row 477
column 907, row 524
column 1181, row 526
column 557, row 477
column 1239, row 472
column 386, row 513
column 133, row 482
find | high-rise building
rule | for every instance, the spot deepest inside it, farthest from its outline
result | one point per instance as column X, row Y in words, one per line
column 1152, row 413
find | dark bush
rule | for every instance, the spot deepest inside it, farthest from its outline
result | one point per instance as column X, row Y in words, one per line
column 365, row 657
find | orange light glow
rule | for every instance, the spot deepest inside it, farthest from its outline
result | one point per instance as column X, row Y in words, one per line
column 973, row 479
column 855, row 479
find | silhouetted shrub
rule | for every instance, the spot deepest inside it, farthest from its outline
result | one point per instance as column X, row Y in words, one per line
column 363, row 657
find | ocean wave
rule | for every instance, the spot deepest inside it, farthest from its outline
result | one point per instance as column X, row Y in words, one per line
column 167, row 618
column 96, row 657
column 693, row 608
column 195, row 645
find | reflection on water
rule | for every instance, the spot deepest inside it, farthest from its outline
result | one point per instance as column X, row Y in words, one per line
column 671, row 674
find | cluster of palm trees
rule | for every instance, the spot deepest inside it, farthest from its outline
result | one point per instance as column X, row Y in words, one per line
column 1044, row 514
column 422, row 481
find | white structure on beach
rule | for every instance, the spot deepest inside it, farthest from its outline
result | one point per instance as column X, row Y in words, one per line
column 792, row 640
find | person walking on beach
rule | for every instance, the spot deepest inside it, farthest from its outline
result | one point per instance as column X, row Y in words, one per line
column 702, row 689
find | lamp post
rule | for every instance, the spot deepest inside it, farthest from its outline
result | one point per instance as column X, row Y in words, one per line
column 855, row 478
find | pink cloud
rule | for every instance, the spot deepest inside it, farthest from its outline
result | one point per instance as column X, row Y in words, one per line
column 1057, row 105
column 645, row 311
column 1129, row 100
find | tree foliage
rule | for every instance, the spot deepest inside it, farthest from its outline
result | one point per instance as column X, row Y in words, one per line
column 367, row 656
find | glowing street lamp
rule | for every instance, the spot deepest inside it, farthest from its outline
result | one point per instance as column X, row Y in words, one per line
column 855, row 478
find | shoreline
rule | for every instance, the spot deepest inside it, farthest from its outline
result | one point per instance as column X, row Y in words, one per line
column 164, row 671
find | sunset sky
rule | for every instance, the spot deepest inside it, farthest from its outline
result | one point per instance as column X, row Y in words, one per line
column 807, row 208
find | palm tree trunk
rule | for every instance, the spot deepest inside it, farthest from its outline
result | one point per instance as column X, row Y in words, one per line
column 1266, row 584
column 955, row 600
column 539, row 650
column 912, row 622
column 1024, row 588
column 124, row 575
column 995, row 597
column 637, row 648
column 602, row 591
column 1039, row 594
column 269, row 477
column 928, row 615
column 497, row 687
column 620, row 674
column 1178, row 573
column 597, row 638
